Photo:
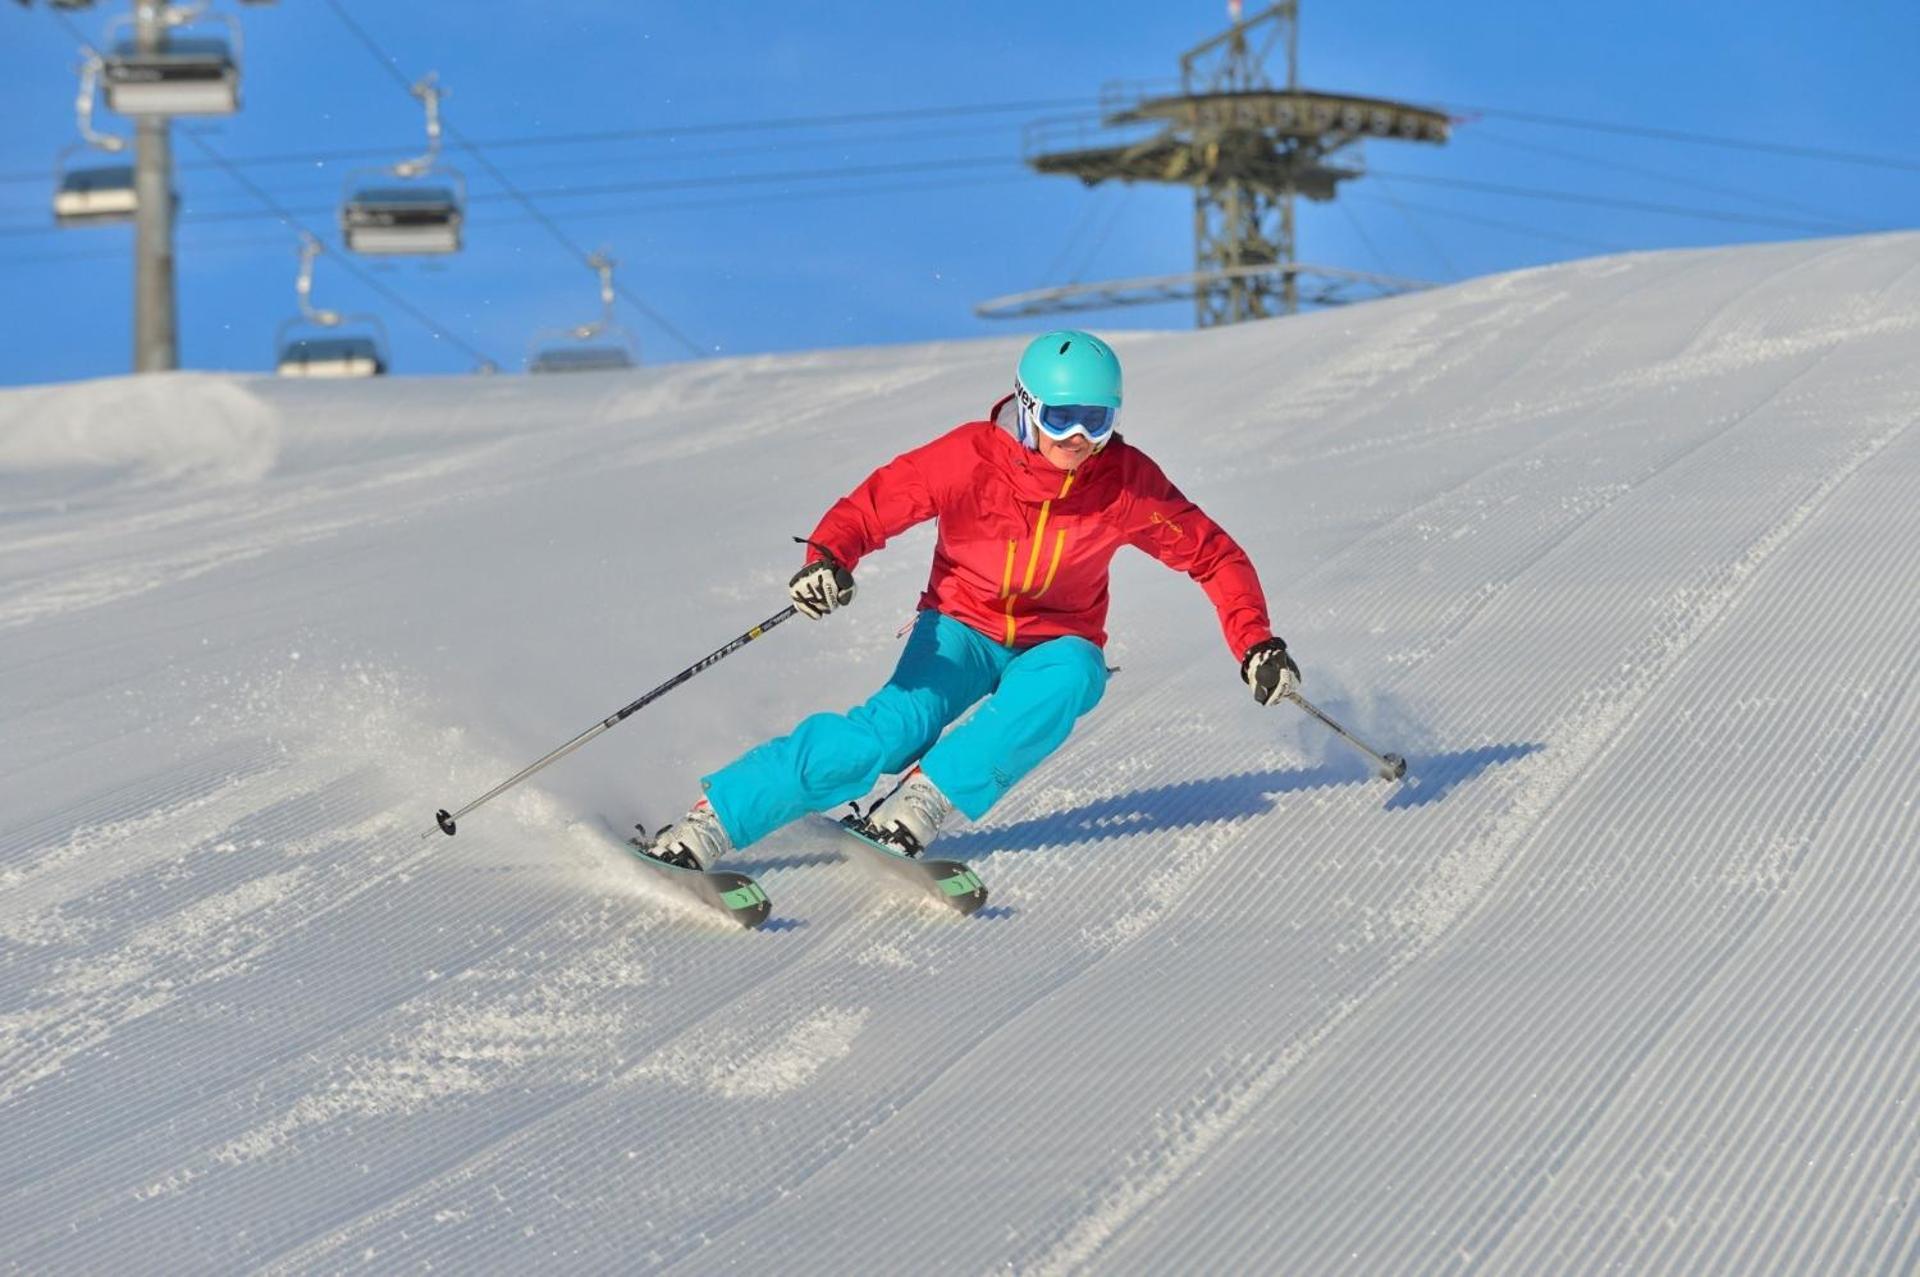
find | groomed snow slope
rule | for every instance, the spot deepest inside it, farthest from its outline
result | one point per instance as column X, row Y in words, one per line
column 1623, row 555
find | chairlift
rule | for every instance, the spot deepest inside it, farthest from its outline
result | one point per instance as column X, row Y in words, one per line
column 601, row 358
column 92, row 194
column 414, row 207
column 184, row 75
column 601, row 346
column 313, row 343
column 402, row 220
column 348, row 355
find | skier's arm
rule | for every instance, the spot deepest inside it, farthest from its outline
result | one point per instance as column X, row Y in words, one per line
column 891, row 499
column 1178, row 533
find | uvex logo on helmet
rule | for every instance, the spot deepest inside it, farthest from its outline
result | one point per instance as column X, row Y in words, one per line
column 1068, row 383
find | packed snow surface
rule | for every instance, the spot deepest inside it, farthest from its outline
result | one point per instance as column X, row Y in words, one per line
column 1623, row 555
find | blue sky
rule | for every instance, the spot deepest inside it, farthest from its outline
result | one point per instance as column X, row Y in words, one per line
column 730, row 263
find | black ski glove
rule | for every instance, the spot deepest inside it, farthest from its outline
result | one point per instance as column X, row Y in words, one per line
column 820, row 587
column 1269, row 671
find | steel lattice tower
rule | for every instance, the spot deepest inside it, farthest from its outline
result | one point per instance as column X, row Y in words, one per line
column 1248, row 150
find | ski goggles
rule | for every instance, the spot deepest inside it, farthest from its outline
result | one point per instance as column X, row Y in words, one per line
column 1060, row 422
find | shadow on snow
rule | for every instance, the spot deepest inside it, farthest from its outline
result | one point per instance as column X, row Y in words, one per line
column 1226, row 798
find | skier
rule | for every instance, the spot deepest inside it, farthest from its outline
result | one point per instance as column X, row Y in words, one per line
column 1032, row 505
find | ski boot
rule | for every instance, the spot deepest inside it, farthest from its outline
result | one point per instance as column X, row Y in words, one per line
column 695, row 843
column 909, row 818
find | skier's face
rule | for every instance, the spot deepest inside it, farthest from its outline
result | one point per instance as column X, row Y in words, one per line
column 1066, row 454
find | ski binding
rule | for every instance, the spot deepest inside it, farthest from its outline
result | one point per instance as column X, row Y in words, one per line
column 734, row 894
column 952, row 882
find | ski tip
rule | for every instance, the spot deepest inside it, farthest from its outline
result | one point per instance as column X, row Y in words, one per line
column 959, row 886
column 971, row 903
column 745, row 900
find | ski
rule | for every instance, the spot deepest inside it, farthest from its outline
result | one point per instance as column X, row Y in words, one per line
column 951, row 882
column 734, row 894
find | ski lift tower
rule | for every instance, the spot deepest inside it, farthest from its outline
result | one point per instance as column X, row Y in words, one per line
column 1247, row 149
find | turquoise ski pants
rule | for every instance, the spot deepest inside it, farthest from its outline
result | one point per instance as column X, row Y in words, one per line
column 1034, row 695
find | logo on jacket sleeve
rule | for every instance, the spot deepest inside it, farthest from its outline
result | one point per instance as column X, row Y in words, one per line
column 1161, row 520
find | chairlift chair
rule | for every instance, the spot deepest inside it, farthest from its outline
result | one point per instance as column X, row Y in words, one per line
column 552, row 355
column 414, row 207
column 94, row 194
column 185, row 75
column 601, row 346
column 332, row 354
column 403, row 219
column 328, row 346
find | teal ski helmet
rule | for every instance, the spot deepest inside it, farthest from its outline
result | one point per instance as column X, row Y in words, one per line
column 1068, row 383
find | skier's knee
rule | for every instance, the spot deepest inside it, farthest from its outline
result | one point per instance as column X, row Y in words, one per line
column 900, row 724
column 836, row 752
column 1082, row 669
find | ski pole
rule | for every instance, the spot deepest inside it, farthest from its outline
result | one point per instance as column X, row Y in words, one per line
column 445, row 820
column 1392, row 766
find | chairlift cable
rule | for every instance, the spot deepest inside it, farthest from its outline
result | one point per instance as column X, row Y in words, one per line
column 1544, row 119
column 391, row 66
column 1438, row 249
column 67, row 24
column 561, row 237
column 1866, row 159
column 1829, row 154
column 224, row 216
column 1090, row 207
column 596, row 137
column 230, row 244
column 842, row 173
column 1536, row 193
column 546, row 141
column 1603, row 201
column 1556, row 121
column 1560, row 196
column 1658, row 175
column 601, row 136
column 1366, row 240
column 1098, row 241
column 299, row 188
column 432, row 325
column 1494, row 223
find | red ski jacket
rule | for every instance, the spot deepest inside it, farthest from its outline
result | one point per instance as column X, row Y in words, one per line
column 1024, row 548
